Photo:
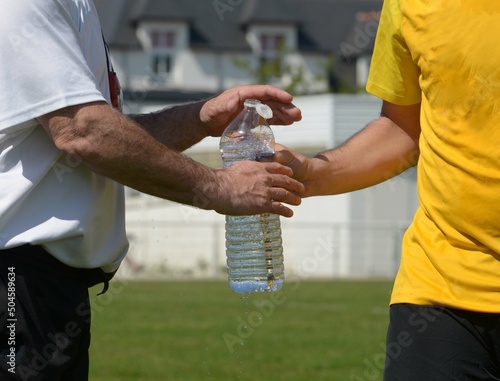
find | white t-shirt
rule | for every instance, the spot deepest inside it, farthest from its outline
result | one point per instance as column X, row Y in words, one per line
column 52, row 56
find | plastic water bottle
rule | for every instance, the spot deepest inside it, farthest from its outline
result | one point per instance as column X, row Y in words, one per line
column 254, row 247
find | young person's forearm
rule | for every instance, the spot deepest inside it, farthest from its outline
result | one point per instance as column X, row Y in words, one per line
column 377, row 153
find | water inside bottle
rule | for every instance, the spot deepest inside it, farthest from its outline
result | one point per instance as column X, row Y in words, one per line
column 247, row 239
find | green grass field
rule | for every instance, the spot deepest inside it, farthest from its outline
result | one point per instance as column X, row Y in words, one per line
column 190, row 331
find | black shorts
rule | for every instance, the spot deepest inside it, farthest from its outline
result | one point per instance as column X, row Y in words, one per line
column 44, row 317
column 426, row 343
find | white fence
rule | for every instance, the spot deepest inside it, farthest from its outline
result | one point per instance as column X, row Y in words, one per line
column 172, row 250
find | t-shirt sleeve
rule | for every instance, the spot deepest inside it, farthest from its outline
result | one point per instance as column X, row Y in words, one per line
column 43, row 67
column 394, row 76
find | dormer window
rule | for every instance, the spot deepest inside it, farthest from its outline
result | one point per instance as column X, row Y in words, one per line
column 163, row 45
column 272, row 46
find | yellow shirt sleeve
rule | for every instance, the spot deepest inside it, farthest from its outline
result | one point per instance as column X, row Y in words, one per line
column 394, row 76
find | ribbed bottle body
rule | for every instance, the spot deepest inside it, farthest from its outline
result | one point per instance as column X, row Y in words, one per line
column 254, row 253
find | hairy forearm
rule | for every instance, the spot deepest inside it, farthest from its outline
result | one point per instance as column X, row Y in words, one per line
column 116, row 147
column 177, row 127
column 379, row 152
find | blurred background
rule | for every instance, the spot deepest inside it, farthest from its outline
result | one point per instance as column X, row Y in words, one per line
column 168, row 52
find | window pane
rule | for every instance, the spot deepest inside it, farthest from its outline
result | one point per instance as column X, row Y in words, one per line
column 170, row 39
column 162, row 64
column 155, row 37
column 264, row 42
column 163, row 39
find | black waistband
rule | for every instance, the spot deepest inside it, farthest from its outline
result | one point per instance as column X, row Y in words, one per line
column 36, row 255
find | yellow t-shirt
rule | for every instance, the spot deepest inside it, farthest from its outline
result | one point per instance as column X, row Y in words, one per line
column 446, row 55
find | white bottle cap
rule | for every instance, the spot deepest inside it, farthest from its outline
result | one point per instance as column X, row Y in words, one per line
column 264, row 111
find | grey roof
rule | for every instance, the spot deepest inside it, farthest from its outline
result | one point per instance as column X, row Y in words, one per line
column 323, row 25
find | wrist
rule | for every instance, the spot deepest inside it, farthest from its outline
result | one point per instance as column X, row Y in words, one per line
column 208, row 192
column 319, row 175
column 192, row 115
